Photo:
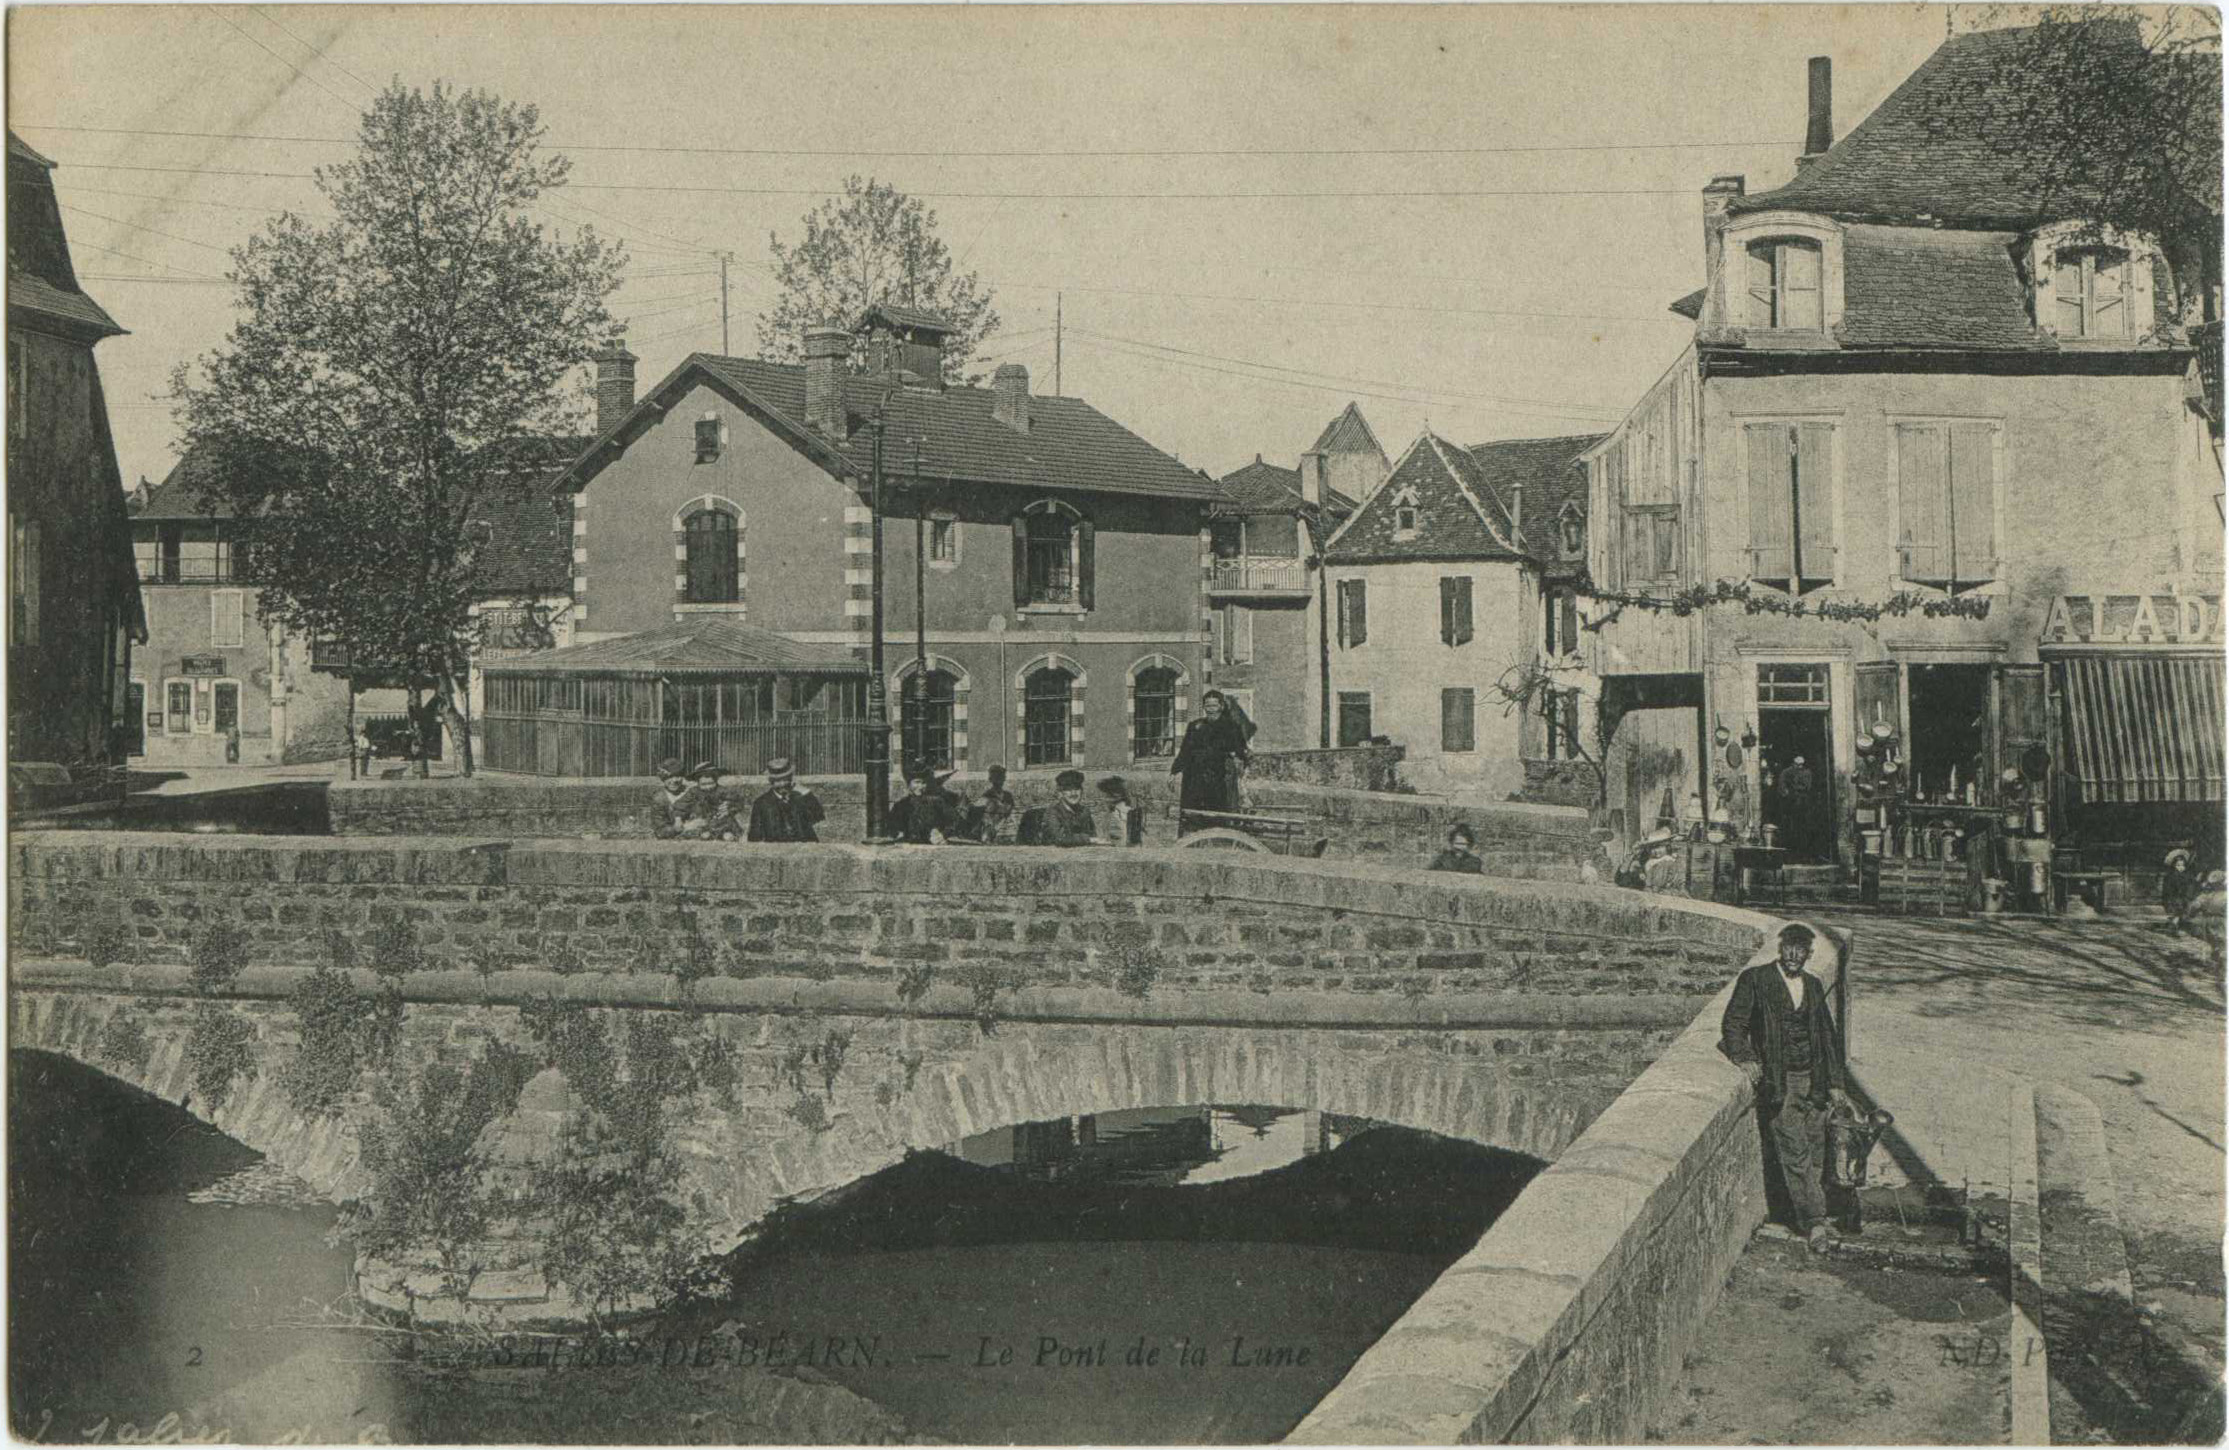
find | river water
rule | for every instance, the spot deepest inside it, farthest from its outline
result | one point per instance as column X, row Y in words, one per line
column 1190, row 1274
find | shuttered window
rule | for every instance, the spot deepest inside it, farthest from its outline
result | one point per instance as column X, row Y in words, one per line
column 1791, row 504
column 1652, row 545
column 1784, row 290
column 1053, row 562
column 1354, row 613
column 227, row 618
column 2090, row 289
column 1354, row 717
column 1458, row 721
column 1946, row 494
column 1455, row 610
column 1236, row 645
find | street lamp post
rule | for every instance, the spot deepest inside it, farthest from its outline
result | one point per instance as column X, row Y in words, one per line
column 920, row 681
column 877, row 753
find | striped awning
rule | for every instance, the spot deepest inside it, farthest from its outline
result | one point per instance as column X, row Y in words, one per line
column 2143, row 728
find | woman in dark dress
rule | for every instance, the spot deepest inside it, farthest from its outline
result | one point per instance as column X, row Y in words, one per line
column 1211, row 744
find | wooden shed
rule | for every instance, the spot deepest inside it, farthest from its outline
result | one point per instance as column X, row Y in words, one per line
column 709, row 689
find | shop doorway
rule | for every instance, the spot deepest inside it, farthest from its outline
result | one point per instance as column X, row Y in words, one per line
column 1796, row 758
column 1950, row 733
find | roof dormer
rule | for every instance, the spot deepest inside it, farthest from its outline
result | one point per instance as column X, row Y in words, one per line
column 2090, row 284
column 1779, row 278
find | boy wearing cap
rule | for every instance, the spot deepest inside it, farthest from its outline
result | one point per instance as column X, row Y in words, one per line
column 786, row 811
column 1068, row 821
column 673, row 804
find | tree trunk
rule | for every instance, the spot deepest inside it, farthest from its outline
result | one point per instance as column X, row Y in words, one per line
column 414, row 733
column 459, row 726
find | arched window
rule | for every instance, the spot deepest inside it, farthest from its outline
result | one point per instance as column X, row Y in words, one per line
column 925, row 715
column 2089, row 286
column 1046, row 700
column 711, row 561
column 1153, row 718
column 1784, row 285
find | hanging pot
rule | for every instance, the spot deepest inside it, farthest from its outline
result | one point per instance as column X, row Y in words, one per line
column 1882, row 730
column 1733, row 756
column 1748, row 737
column 1721, row 735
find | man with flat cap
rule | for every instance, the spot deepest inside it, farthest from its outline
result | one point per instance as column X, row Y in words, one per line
column 1068, row 821
column 787, row 811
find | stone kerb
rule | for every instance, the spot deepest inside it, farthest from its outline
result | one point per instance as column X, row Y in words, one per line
column 1569, row 1320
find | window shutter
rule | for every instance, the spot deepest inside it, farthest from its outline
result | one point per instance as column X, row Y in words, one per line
column 1815, row 497
column 1770, row 549
column 1800, row 291
column 1021, row 560
column 2066, row 288
column 1921, row 504
column 1242, row 635
column 1343, row 609
column 1084, row 564
column 1567, row 625
column 1760, row 285
column 1359, row 631
column 1457, row 708
column 2108, row 297
column 2023, row 716
column 1973, row 503
column 1462, row 610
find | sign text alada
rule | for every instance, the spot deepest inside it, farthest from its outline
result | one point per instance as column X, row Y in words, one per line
column 2185, row 619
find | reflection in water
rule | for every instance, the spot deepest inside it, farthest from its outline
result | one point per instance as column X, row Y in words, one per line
column 1182, row 1274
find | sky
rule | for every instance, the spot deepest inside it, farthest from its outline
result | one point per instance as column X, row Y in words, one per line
column 1465, row 217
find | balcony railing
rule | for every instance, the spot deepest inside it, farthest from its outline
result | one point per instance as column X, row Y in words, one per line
column 1249, row 574
column 2208, row 339
column 199, row 571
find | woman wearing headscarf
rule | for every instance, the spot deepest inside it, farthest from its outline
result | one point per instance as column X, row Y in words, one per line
column 1214, row 745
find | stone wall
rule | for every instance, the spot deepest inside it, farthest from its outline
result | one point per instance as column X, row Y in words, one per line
column 1569, row 1321
column 1516, row 839
column 1359, row 767
column 1560, row 783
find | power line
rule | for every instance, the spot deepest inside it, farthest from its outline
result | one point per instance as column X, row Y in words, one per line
column 1314, row 302
column 1007, row 154
column 698, row 301
column 672, row 332
column 1295, row 383
column 1611, row 414
column 131, row 277
column 1446, row 193
column 272, row 20
column 152, row 231
column 150, row 261
column 282, row 60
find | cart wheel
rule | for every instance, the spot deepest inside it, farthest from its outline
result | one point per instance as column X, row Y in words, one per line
column 1221, row 838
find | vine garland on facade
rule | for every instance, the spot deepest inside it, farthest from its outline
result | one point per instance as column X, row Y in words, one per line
column 1687, row 601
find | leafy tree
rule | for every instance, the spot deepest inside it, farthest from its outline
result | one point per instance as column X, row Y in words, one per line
column 393, row 373
column 874, row 244
column 2110, row 115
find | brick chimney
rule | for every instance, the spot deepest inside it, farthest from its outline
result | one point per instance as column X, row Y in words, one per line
column 1010, row 396
column 1819, row 134
column 615, row 385
column 827, row 357
column 1717, row 196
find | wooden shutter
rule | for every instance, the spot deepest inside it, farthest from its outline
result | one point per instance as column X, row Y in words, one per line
column 1021, row 560
column 1455, row 611
column 1760, row 311
column 2023, row 714
column 1458, row 709
column 1875, row 686
column 1567, row 625
column 1799, row 286
column 1358, row 627
column 2066, row 290
column 1922, row 493
column 1815, row 497
column 1771, row 550
column 1344, row 607
column 1084, row 565
column 2108, row 295
column 1973, row 502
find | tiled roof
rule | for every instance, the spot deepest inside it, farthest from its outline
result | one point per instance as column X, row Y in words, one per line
column 708, row 644
column 1348, row 433
column 40, row 277
column 1070, row 445
column 1544, row 469
column 1266, row 488
column 1459, row 516
column 1947, row 145
column 530, row 544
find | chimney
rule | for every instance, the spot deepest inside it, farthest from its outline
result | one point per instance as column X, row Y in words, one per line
column 1010, row 396
column 1717, row 196
column 827, row 353
column 1819, row 135
column 615, row 385
column 1312, row 467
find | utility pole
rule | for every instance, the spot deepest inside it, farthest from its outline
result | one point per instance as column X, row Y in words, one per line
column 877, row 753
column 725, row 258
column 1058, row 297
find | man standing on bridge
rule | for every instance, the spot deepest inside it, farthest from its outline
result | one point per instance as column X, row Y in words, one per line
column 1778, row 1029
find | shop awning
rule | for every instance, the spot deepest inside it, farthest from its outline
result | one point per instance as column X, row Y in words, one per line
column 2142, row 729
